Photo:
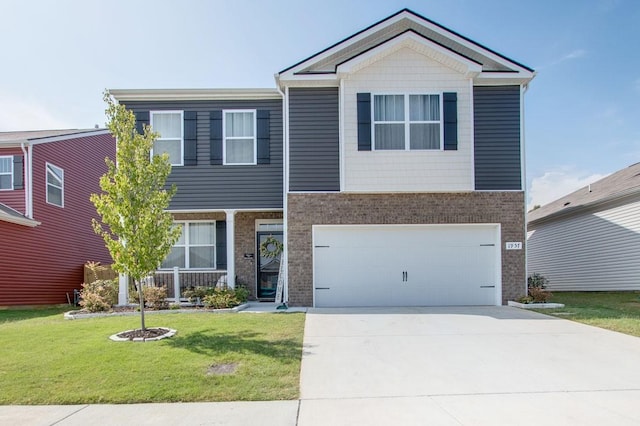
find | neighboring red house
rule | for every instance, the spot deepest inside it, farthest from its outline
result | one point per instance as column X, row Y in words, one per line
column 46, row 179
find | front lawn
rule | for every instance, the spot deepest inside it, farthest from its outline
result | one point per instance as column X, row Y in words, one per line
column 49, row 360
column 617, row 311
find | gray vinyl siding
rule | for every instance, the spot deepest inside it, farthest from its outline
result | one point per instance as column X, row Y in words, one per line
column 596, row 250
column 496, row 114
column 206, row 186
column 314, row 157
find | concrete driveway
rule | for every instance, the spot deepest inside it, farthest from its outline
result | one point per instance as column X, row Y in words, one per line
column 464, row 366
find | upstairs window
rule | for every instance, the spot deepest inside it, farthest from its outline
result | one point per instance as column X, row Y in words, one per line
column 239, row 138
column 55, row 185
column 6, row 173
column 169, row 124
column 196, row 247
column 407, row 122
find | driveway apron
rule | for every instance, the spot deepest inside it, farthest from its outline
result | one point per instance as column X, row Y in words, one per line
column 464, row 366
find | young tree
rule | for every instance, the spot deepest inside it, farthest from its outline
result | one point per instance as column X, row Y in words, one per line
column 139, row 232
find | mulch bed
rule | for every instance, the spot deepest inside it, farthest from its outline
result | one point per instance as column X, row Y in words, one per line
column 149, row 333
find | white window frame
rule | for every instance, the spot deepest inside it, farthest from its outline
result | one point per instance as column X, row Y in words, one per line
column 10, row 173
column 47, row 184
column 160, row 138
column 185, row 228
column 255, row 137
column 407, row 121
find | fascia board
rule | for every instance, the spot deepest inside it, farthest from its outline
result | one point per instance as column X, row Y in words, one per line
column 17, row 143
column 19, row 220
column 67, row 137
column 124, row 95
column 407, row 39
column 405, row 14
column 503, row 78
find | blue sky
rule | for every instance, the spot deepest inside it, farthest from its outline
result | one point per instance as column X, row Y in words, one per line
column 582, row 109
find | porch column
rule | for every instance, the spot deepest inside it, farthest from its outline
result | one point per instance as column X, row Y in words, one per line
column 123, row 290
column 231, row 259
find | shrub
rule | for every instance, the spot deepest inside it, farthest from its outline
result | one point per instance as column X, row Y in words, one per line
column 99, row 296
column 537, row 284
column 154, row 297
column 197, row 294
column 537, row 280
column 242, row 293
column 539, row 295
column 221, row 299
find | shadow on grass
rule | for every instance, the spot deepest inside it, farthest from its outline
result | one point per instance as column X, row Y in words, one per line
column 12, row 315
column 215, row 343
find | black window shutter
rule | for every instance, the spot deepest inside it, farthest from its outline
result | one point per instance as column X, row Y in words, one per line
column 142, row 118
column 364, row 121
column 215, row 129
column 450, row 102
column 221, row 244
column 190, row 139
column 263, row 142
column 18, row 180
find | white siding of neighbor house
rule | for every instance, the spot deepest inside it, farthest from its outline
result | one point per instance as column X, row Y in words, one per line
column 593, row 251
column 407, row 71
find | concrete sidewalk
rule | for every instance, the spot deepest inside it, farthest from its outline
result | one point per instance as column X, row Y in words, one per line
column 417, row 366
column 268, row 413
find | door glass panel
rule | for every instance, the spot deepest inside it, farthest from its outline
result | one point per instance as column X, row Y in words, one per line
column 268, row 268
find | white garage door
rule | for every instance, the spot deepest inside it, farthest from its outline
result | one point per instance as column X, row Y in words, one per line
column 406, row 265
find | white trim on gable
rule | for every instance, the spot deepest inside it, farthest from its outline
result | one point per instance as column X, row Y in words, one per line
column 516, row 74
column 418, row 43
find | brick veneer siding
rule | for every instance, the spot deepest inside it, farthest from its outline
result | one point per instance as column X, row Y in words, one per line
column 305, row 210
column 245, row 237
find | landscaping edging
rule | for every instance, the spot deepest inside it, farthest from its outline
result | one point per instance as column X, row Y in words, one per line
column 72, row 315
column 535, row 305
column 169, row 333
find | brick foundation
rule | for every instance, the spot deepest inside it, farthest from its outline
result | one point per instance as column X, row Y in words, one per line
column 305, row 210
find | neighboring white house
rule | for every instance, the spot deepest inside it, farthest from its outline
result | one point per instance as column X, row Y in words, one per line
column 589, row 240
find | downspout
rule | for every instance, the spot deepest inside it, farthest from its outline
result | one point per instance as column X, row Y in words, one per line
column 28, row 205
column 285, row 188
column 523, row 90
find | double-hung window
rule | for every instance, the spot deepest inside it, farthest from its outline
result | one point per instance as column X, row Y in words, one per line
column 169, row 124
column 196, row 247
column 6, row 173
column 55, row 185
column 407, row 122
column 239, row 138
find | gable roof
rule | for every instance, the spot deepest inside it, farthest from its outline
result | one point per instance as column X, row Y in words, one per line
column 405, row 21
column 9, row 139
column 620, row 184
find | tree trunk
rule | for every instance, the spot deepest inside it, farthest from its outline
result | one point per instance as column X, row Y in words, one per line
column 141, row 297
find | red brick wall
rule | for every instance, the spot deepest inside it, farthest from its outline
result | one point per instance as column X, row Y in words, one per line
column 305, row 210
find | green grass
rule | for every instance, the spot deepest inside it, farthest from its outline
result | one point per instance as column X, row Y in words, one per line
column 617, row 311
column 49, row 360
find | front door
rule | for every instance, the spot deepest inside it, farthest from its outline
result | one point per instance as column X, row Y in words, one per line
column 268, row 267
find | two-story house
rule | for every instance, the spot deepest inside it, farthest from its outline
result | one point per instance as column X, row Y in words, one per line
column 46, row 179
column 391, row 163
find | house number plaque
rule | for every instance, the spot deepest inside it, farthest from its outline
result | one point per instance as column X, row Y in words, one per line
column 513, row 245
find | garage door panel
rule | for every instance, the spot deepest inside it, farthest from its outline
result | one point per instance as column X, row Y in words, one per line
column 405, row 265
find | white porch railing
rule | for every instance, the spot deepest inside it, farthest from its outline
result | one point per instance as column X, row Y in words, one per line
column 178, row 280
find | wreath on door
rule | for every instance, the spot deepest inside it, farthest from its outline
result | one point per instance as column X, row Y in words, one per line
column 271, row 248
